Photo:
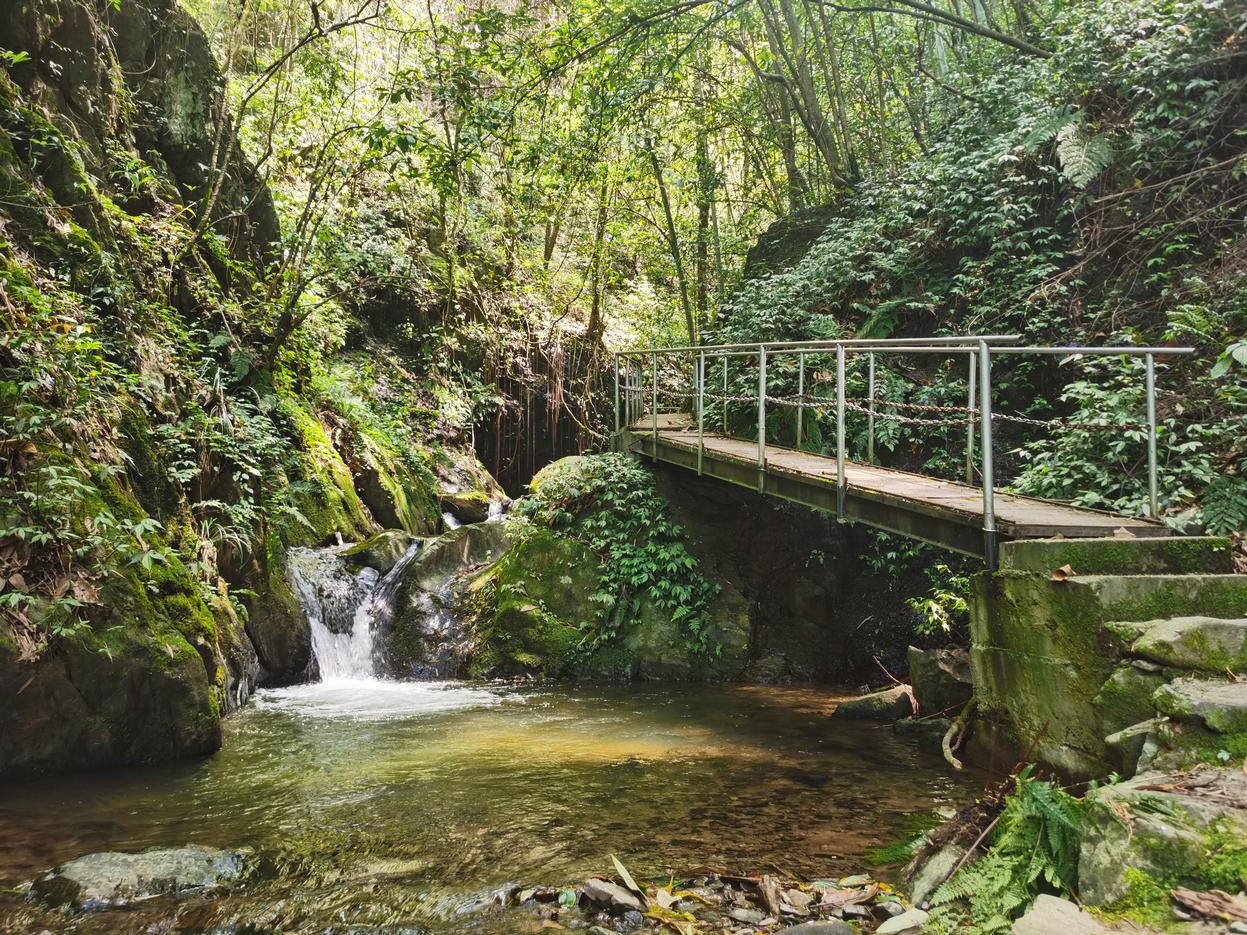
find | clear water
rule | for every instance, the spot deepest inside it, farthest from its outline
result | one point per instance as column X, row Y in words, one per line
column 400, row 804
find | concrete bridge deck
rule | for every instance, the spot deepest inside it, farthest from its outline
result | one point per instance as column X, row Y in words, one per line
column 937, row 511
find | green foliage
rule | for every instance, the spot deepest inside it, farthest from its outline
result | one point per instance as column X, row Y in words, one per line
column 609, row 503
column 945, row 608
column 1034, row 849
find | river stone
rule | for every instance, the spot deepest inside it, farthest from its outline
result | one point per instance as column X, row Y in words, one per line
column 1222, row 706
column 748, row 916
column 825, row 927
column 1206, row 643
column 890, row 705
column 941, row 679
column 110, row 877
column 910, row 921
column 1054, row 916
column 612, row 896
column 933, row 871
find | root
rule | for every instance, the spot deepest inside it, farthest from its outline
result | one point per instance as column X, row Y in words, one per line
column 956, row 733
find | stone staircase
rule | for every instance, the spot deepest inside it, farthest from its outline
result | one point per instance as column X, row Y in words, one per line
column 1079, row 645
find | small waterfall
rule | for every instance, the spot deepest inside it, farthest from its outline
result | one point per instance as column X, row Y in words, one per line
column 344, row 608
column 451, row 522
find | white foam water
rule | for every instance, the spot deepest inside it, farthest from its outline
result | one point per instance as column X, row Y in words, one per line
column 370, row 699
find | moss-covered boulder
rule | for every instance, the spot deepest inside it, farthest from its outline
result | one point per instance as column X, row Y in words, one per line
column 465, row 489
column 1159, row 830
column 381, row 551
column 536, row 612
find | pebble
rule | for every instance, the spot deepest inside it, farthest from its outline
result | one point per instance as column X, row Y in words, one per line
column 749, row 916
column 611, row 895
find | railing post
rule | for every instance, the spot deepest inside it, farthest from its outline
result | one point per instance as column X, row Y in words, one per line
column 989, row 492
column 761, row 418
column 841, row 481
column 724, row 394
column 701, row 408
column 1153, row 493
column 800, row 394
column 870, row 403
column 654, row 407
column 616, row 394
column 970, row 404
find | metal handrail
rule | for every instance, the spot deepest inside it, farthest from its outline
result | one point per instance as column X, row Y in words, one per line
column 979, row 350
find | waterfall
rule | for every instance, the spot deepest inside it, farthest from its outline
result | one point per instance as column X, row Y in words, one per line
column 451, row 522
column 344, row 608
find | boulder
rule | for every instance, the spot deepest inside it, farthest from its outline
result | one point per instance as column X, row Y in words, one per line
column 941, row 679
column 1209, row 644
column 1051, row 915
column 467, row 506
column 1221, row 706
column 926, row 876
column 889, row 705
column 110, row 878
column 1187, row 826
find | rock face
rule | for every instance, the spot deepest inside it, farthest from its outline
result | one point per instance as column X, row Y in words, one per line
column 110, row 878
column 1186, row 829
column 1219, row 706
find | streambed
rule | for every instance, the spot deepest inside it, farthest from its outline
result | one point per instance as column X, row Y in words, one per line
column 391, row 803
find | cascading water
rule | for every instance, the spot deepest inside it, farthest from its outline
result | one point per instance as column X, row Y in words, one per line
column 344, row 609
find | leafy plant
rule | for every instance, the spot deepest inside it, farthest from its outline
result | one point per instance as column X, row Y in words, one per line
column 609, row 503
column 1034, row 849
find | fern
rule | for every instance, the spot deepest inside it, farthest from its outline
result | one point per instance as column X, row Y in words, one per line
column 1043, row 129
column 1083, row 155
column 1034, row 850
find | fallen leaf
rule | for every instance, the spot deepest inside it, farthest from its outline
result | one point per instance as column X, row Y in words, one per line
column 627, row 879
column 1064, row 572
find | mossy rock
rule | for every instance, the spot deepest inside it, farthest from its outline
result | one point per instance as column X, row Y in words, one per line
column 556, row 470
column 381, row 551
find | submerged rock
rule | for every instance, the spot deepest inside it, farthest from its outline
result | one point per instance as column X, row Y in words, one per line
column 110, row 877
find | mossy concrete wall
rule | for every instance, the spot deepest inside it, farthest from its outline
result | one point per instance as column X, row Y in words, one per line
column 1045, row 644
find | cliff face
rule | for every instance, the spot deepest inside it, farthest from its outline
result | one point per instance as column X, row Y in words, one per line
column 153, row 471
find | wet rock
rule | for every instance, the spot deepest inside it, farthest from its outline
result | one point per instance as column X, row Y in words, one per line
column 1221, row 706
column 888, row 910
column 926, row 732
column 1053, row 916
column 826, row 927
column 941, row 679
column 468, row 506
column 611, row 896
column 1205, row 643
column 111, row 877
column 911, row 920
column 889, row 705
column 381, row 552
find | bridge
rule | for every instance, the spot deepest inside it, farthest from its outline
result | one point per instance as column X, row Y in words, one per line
column 666, row 409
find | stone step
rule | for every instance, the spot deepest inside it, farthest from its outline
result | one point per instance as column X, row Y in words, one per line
column 1174, row 555
column 1210, row 644
column 1220, row 705
column 1141, row 598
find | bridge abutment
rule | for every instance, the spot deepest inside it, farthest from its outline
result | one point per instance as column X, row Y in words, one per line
column 1055, row 637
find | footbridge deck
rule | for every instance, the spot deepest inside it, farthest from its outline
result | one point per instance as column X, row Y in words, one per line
column 665, row 408
column 941, row 512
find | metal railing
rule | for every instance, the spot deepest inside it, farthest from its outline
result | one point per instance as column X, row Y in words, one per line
column 632, row 404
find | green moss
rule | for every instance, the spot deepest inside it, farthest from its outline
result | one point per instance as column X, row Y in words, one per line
column 1226, row 865
column 1146, row 902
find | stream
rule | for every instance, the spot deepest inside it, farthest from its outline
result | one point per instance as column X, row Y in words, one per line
column 386, row 803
